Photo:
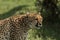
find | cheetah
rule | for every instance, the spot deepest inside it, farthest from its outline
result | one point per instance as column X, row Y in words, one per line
column 16, row 27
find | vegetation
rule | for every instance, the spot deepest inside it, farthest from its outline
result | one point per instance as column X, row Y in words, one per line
column 11, row 6
column 51, row 22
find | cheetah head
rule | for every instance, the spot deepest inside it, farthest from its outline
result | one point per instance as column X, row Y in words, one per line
column 35, row 20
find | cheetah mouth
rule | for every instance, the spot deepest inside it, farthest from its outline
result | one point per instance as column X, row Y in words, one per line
column 38, row 26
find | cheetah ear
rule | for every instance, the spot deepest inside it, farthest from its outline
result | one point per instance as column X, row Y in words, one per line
column 28, row 13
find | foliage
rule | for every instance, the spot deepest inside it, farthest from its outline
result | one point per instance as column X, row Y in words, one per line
column 49, row 9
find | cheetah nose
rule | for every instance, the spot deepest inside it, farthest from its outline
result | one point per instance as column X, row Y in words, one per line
column 40, row 25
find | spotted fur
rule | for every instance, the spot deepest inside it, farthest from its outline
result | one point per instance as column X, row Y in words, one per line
column 16, row 27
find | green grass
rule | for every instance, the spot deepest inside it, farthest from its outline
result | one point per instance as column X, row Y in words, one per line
column 47, row 32
column 12, row 7
column 6, row 5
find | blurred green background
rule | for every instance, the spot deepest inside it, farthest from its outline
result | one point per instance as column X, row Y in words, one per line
column 12, row 7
